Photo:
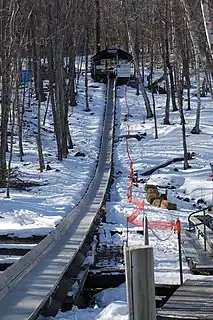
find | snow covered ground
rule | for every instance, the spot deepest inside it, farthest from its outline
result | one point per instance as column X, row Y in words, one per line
column 185, row 187
column 36, row 211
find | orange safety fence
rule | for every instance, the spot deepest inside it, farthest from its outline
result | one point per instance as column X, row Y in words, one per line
column 160, row 225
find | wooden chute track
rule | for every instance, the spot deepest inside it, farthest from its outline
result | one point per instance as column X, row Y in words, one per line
column 40, row 280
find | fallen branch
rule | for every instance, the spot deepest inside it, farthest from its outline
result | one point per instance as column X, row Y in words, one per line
column 22, row 182
column 167, row 163
column 138, row 136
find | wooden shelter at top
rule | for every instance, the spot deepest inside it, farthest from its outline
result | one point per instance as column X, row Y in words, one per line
column 111, row 61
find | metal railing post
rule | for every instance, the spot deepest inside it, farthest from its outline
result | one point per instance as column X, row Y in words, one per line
column 145, row 230
column 204, row 229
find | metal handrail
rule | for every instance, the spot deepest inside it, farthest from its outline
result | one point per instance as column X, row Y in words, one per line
column 204, row 222
column 194, row 212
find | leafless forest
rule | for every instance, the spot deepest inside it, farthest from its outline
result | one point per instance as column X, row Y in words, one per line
column 47, row 36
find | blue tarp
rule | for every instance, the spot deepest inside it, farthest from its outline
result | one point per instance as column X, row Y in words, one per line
column 25, row 76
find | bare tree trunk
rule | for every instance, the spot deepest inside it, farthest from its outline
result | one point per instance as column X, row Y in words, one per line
column 142, row 58
column 182, row 118
column 192, row 24
column 53, row 103
column 60, row 98
column 72, row 80
column 167, row 108
column 87, row 108
column 151, row 71
column 20, row 113
column 174, row 104
column 149, row 113
column 36, row 53
column 153, row 96
column 38, row 138
column 207, row 24
column 172, row 42
column 187, row 77
column 39, row 89
column 208, row 79
column 79, row 68
column 97, row 26
column 169, row 66
column 203, row 86
column 15, row 104
column 196, row 128
column 46, row 110
column 5, row 95
column 136, row 51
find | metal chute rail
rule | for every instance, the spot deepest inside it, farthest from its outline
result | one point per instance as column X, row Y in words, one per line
column 43, row 276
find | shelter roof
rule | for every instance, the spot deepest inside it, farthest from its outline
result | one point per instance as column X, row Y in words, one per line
column 111, row 53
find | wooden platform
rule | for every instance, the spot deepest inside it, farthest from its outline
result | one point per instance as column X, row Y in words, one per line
column 192, row 301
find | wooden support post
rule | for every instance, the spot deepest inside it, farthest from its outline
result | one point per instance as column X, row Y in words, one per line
column 140, row 282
